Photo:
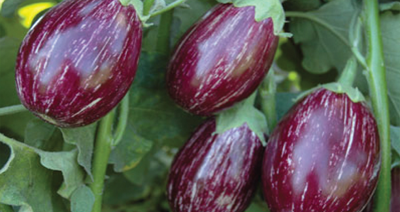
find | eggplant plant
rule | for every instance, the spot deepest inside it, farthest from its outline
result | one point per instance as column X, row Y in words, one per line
column 200, row 105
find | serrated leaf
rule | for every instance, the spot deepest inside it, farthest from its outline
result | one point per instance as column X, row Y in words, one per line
column 82, row 200
column 66, row 163
column 264, row 9
column 390, row 27
column 241, row 113
column 322, row 49
column 24, row 181
column 83, row 138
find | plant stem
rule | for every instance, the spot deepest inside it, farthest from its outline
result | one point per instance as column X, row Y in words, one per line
column 101, row 155
column 167, row 8
column 122, row 120
column 267, row 94
column 378, row 89
column 12, row 110
column 147, row 4
column 6, row 208
column 164, row 30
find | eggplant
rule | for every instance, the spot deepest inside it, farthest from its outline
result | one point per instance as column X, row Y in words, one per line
column 221, row 60
column 324, row 155
column 78, row 61
column 395, row 198
column 215, row 172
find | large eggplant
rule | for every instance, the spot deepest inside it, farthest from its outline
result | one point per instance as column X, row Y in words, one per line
column 79, row 61
column 215, row 172
column 395, row 198
column 324, row 155
column 221, row 60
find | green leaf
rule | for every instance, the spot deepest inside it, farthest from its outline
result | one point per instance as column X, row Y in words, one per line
column 24, row 181
column 395, row 138
column 302, row 5
column 9, row 7
column 284, row 101
column 82, row 200
column 264, row 9
column 83, row 138
column 185, row 17
column 153, row 117
column 128, row 153
column 38, row 134
column 395, row 6
column 390, row 27
column 66, row 163
column 241, row 113
column 323, row 35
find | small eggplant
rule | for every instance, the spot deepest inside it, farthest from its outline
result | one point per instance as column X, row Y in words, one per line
column 78, row 61
column 221, row 60
column 215, row 172
column 324, row 155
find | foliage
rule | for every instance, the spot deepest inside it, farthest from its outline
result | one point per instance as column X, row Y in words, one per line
column 44, row 168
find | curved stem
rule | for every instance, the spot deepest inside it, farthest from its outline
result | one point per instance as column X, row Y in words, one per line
column 147, row 4
column 101, row 155
column 378, row 89
column 12, row 110
column 164, row 31
column 167, row 8
column 327, row 26
column 122, row 120
column 6, row 208
column 268, row 105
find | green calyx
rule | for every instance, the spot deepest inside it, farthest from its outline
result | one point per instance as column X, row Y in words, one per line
column 243, row 113
column 264, row 9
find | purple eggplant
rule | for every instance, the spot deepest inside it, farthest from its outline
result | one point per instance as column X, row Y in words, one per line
column 221, row 60
column 395, row 199
column 324, row 155
column 215, row 172
column 79, row 61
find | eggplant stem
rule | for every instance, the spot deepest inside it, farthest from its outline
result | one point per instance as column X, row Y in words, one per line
column 104, row 141
column 10, row 110
column 122, row 120
column 376, row 76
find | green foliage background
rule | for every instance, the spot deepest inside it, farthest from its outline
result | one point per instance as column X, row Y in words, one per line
column 47, row 169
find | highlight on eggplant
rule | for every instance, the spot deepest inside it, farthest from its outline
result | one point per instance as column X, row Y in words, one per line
column 324, row 155
column 221, row 60
column 78, row 61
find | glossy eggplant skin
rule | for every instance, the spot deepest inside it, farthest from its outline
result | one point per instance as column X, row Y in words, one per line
column 216, row 173
column 79, row 61
column 324, row 155
column 221, row 60
column 395, row 199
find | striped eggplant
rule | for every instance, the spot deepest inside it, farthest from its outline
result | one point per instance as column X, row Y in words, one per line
column 215, row 172
column 324, row 155
column 79, row 61
column 395, row 199
column 221, row 60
